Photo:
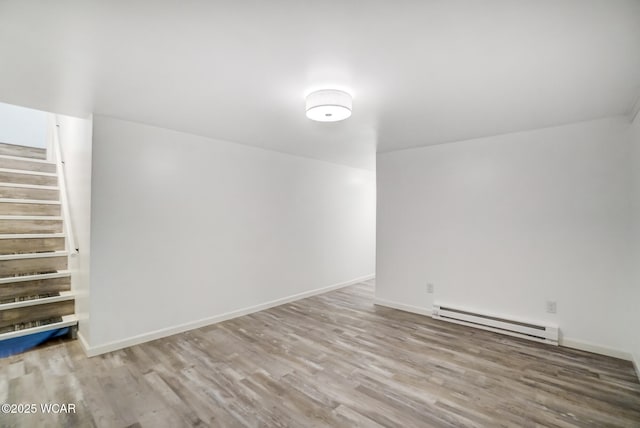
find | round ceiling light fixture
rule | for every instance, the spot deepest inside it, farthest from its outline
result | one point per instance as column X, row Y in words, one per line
column 328, row 105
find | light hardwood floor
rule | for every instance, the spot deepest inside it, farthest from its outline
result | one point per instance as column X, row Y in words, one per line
column 331, row 360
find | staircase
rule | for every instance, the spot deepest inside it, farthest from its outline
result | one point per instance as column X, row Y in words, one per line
column 35, row 283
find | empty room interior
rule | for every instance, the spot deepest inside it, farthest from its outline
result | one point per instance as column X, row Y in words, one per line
column 287, row 213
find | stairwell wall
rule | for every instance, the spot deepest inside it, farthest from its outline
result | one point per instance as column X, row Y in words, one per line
column 188, row 230
column 75, row 144
column 22, row 126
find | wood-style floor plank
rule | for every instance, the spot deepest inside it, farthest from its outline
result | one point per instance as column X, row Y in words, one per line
column 333, row 360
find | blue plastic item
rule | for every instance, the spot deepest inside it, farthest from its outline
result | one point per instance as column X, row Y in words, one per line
column 20, row 344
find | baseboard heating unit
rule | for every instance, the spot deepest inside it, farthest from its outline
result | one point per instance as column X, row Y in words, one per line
column 539, row 333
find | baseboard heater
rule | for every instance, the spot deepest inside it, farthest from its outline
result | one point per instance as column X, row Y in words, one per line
column 539, row 333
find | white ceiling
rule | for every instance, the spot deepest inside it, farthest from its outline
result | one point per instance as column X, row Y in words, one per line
column 421, row 72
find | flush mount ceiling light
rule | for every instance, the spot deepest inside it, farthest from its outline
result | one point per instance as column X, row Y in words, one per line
column 328, row 105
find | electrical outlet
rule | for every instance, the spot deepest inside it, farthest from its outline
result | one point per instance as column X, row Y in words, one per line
column 429, row 288
column 551, row 307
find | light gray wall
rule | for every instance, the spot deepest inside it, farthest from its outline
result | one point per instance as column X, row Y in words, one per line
column 22, row 126
column 505, row 223
column 185, row 228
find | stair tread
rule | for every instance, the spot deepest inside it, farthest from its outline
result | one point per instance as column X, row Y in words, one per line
column 61, row 297
column 23, row 151
column 29, row 201
column 67, row 321
column 27, row 159
column 31, row 235
column 29, row 186
column 33, row 255
column 30, row 217
column 28, row 172
column 24, row 278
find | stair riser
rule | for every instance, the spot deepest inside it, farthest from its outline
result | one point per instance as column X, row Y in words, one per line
column 35, row 265
column 27, row 193
column 35, row 287
column 30, row 313
column 16, row 208
column 40, row 180
column 22, row 151
column 26, row 165
column 30, row 245
column 30, row 226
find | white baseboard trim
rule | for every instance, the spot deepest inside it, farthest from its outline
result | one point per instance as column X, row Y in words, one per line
column 403, row 307
column 594, row 348
column 636, row 364
column 566, row 342
column 83, row 343
column 92, row 351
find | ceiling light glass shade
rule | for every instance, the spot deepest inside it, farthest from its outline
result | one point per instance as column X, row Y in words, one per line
column 328, row 105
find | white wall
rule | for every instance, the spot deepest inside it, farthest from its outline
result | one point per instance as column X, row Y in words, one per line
column 505, row 223
column 75, row 144
column 22, row 126
column 186, row 228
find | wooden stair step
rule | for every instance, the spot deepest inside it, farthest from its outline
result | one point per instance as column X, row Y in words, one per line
column 66, row 321
column 61, row 296
column 19, row 163
column 29, row 191
column 31, row 243
column 28, row 177
column 35, row 277
column 30, row 224
column 28, row 264
column 29, row 207
column 29, row 285
column 44, row 310
column 22, row 151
